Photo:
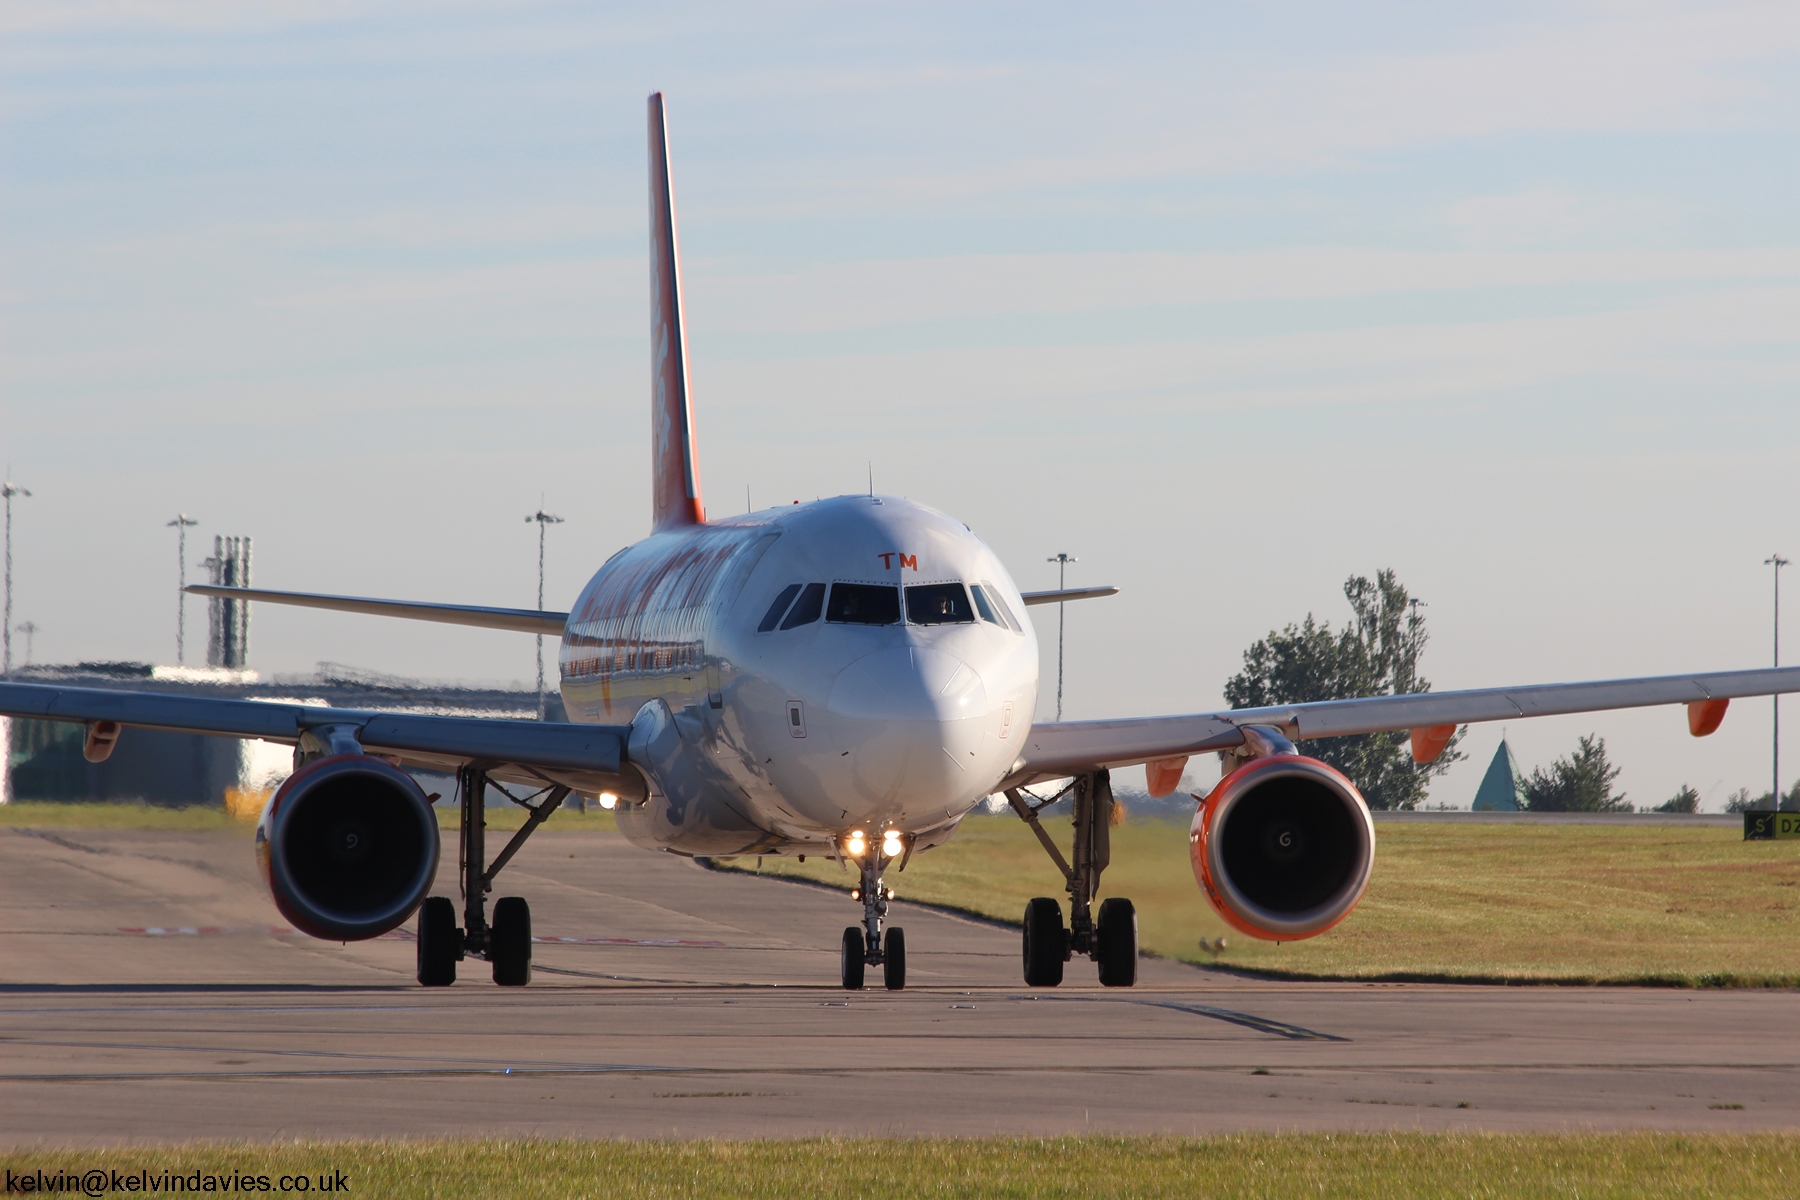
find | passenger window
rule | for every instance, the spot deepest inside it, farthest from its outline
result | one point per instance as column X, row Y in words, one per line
column 863, row 604
column 806, row 609
column 780, row 606
column 993, row 595
column 938, row 604
column 983, row 607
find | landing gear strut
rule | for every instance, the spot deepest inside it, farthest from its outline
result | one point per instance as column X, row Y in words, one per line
column 1111, row 941
column 869, row 946
column 506, row 944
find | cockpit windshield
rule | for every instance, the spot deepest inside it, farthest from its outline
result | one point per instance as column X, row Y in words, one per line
column 938, row 604
column 863, row 604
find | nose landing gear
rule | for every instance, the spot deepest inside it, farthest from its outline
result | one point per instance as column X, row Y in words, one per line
column 1112, row 940
column 869, row 946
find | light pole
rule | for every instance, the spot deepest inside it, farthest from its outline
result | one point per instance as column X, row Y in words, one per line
column 1778, row 562
column 1062, row 562
column 182, row 523
column 544, row 521
column 8, row 489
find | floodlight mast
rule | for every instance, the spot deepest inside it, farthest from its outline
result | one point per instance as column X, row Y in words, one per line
column 8, row 489
column 182, row 523
column 1062, row 562
column 544, row 521
column 1778, row 562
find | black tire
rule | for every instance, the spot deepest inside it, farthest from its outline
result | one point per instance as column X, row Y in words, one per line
column 439, row 939
column 893, row 959
column 853, row 959
column 1045, row 943
column 509, row 942
column 1118, row 936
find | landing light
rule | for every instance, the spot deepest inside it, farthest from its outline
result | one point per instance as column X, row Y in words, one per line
column 608, row 801
column 856, row 845
column 891, row 845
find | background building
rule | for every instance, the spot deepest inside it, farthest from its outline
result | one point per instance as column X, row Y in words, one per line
column 1499, row 790
column 42, row 760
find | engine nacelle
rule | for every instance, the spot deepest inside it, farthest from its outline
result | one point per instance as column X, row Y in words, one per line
column 1283, row 847
column 348, row 846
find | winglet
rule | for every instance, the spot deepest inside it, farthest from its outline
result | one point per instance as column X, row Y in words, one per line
column 674, row 463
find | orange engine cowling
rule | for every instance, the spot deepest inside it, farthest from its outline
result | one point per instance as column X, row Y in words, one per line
column 1283, row 847
column 348, row 846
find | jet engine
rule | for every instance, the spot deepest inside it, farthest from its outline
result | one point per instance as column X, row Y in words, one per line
column 1283, row 847
column 348, row 846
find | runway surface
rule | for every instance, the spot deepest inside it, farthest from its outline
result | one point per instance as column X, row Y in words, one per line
column 702, row 1003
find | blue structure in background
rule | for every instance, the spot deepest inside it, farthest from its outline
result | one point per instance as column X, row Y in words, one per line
column 1499, row 790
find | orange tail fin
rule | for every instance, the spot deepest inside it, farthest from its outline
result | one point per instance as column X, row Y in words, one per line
column 675, row 464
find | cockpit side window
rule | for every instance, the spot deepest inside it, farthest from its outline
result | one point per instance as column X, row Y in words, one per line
column 993, row 595
column 806, row 608
column 780, row 606
column 863, row 604
column 983, row 607
column 938, row 604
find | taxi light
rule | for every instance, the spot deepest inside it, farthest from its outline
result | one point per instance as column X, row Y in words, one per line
column 856, row 893
column 608, row 801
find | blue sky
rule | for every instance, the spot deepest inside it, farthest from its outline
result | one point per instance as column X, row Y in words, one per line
column 1232, row 302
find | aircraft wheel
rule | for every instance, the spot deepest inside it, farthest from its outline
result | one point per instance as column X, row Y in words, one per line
column 853, row 959
column 1118, row 935
column 1045, row 942
column 509, row 942
column 438, row 941
column 893, row 962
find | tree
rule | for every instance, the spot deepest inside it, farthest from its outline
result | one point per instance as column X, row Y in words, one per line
column 1742, row 801
column 1377, row 654
column 1581, row 782
column 1686, row 800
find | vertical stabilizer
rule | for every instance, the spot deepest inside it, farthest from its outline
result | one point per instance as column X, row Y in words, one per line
column 675, row 466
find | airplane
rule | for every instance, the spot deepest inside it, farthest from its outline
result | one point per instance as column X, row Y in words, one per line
column 846, row 678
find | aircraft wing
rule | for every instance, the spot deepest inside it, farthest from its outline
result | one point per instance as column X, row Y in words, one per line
column 520, row 620
column 1057, row 749
column 587, row 758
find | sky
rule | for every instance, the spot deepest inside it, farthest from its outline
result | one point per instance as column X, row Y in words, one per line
column 1230, row 302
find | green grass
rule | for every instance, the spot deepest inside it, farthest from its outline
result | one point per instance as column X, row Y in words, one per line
column 1677, row 905
column 1390, row 1166
column 35, row 814
column 42, row 815
column 507, row 819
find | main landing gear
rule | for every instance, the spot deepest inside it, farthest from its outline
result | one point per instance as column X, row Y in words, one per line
column 870, row 946
column 506, row 943
column 1110, row 937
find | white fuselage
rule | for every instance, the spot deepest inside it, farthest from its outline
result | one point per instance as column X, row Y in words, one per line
column 874, row 708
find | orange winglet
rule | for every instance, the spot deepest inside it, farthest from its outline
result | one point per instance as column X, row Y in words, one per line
column 1704, row 716
column 1429, row 742
column 1164, row 775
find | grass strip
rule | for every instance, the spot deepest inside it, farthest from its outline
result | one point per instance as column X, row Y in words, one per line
column 1390, row 1166
column 1678, row 906
column 102, row 815
column 33, row 814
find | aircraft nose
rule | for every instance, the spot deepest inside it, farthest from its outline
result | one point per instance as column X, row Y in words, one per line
column 908, row 683
column 909, row 722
